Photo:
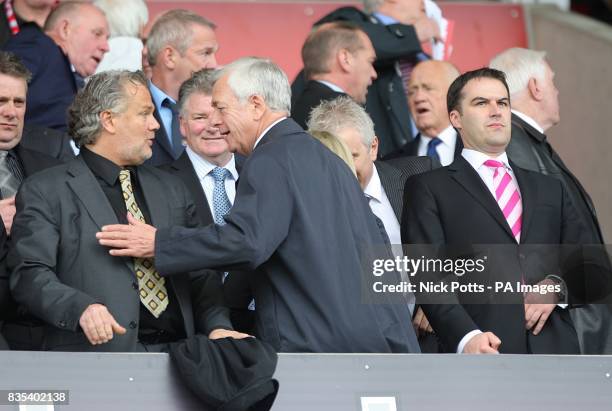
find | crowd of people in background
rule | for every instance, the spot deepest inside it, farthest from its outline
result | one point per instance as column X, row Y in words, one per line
column 148, row 195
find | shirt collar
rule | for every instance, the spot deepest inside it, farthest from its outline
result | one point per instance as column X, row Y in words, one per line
column 448, row 136
column 266, row 130
column 203, row 167
column 100, row 166
column 528, row 120
column 374, row 187
column 331, row 86
column 384, row 19
column 158, row 96
column 477, row 158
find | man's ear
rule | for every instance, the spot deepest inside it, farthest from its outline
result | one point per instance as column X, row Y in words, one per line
column 63, row 29
column 258, row 105
column 107, row 121
column 535, row 89
column 455, row 119
column 183, row 125
column 344, row 60
column 168, row 56
column 374, row 149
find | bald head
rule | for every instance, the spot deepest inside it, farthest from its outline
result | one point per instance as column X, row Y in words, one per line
column 80, row 29
column 427, row 88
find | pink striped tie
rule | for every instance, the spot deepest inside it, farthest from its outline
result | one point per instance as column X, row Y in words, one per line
column 507, row 196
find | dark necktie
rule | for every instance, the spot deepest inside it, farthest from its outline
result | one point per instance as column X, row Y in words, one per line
column 176, row 139
column 431, row 149
column 78, row 80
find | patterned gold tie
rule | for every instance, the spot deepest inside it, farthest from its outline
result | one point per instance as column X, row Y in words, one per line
column 153, row 293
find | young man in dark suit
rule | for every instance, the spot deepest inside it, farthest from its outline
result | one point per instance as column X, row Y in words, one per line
column 89, row 300
column 300, row 220
column 482, row 198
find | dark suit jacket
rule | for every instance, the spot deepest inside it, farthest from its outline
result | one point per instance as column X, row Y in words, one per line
column 47, row 141
column 411, row 148
column 5, row 296
column 386, row 100
column 162, row 150
column 53, row 86
column 529, row 149
column 237, row 290
column 314, row 93
column 453, row 206
column 393, row 176
column 59, row 269
column 302, row 222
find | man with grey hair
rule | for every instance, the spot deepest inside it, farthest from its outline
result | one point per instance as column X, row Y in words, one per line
column 89, row 300
column 180, row 43
column 535, row 108
column 382, row 183
column 396, row 29
column 299, row 219
column 126, row 20
column 338, row 60
column 210, row 171
column 60, row 57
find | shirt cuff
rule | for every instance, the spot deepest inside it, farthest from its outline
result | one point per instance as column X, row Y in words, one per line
column 466, row 338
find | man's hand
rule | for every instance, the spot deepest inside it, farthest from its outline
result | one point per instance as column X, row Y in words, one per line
column 421, row 323
column 427, row 29
column 134, row 240
column 484, row 343
column 221, row 333
column 7, row 213
column 538, row 307
column 99, row 325
column 536, row 315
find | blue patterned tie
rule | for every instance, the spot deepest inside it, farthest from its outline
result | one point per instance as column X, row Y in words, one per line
column 221, row 203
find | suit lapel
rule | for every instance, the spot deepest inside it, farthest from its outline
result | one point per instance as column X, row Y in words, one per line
column 85, row 186
column 469, row 179
column 87, row 189
column 529, row 198
column 161, row 137
column 154, row 197
column 390, row 179
column 188, row 175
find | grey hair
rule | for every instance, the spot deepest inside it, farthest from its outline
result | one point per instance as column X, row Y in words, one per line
column 520, row 65
column 200, row 82
column 250, row 76
column 174, row 28
column 104, row 91
column 342, row 112
column 371, row 6
column 126, row 18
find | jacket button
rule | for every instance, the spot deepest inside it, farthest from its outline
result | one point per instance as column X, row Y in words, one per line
column 135, row 285
column 133, row 324
column 62, row 324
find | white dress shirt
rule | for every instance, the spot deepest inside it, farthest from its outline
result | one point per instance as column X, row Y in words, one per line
column 446, row 149
column 528, row 120
column 381, row 207
column 203, row 168
column 476, row 159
